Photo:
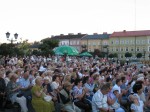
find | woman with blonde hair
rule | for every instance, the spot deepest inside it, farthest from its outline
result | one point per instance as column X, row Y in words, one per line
column 38, row 102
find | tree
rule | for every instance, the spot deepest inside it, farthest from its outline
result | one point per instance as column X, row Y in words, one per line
column 24, row 48
column 47, row 46
column 98, row 53
column 8, row 49
column 139, row 55
column 84, row 48
column 115, row 55
column 127, row 54
column 111, row 55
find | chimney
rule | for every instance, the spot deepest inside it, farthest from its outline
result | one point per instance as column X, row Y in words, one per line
column 124, row 31
column 79, row 33
column 95, row 34
column 104, row 32
column 70, row 34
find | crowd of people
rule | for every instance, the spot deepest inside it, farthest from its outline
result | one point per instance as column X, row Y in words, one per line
column 73, row 84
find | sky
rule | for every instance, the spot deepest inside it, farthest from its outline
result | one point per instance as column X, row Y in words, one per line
column 38, row 19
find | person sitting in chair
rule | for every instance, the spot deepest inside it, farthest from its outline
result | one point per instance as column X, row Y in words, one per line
column 66, row 99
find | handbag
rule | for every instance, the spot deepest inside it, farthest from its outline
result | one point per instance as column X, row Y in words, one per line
column 47, row 98
column 116, row 105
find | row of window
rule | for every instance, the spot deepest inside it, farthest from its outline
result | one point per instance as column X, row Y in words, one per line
column 94, row 43
column 130, row 42
column 71, row 43
column 130, row 49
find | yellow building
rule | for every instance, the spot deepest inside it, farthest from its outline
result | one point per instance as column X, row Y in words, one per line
column 95, row 41
column 130, row 41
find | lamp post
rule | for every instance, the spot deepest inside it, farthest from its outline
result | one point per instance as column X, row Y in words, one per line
column 13, row 39
column 144, row 54
column 107, row 50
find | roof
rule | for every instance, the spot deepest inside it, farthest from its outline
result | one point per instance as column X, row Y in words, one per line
column 34, row 46
column 131, row 33
column 68, row 36
column 96, row 36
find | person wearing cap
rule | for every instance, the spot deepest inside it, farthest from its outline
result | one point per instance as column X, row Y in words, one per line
column 66, row 98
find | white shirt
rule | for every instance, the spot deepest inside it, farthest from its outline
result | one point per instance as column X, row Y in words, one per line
column 131, row 88
column 99, row 101
column 54, row 85
column 80, row 75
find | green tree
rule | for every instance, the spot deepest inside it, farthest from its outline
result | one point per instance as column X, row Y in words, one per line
column 36, row 52
column 47, row 46
column 8, row 49
column 84, row 48
column 127, row 54
column 115, row 55
column 111, row 55
column 24, row 48
column 98, row 53
column 139, row 55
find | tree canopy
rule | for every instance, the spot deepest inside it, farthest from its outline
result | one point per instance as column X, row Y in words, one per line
column 127, row 54
column 47, row 46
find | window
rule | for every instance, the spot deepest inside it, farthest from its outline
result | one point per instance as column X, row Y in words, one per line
column 149, row 48
column 111, row 42
column 131, row 49
column 143, row 41
column 126, row 48
column 94, row 44
column 117, row 49
column 114, row 49
column 127, row 41
column 117, row 41
column 148, row 41
column 137, row 49
column 121, row 49
column 99, row 43
column 70, row 43
column 137, row 41
column 121, row 56
column 122, row 42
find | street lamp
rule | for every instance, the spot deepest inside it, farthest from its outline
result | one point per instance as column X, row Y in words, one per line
column 107, row 50
column 144, row 54
column 13, row 39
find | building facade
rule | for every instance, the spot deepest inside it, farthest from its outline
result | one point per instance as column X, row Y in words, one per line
column 130, row 41
column 70, row 40
column 95, row 41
